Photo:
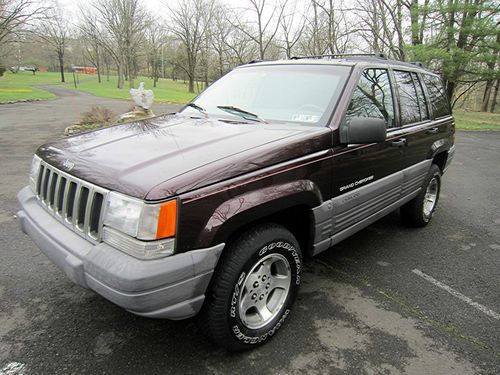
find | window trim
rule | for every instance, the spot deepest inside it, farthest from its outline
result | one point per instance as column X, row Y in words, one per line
column 357, row 77
column 420, row 83
column 448, row 103
column 420, row 122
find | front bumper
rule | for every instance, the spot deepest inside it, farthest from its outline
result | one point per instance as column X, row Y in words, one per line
column 172, row 287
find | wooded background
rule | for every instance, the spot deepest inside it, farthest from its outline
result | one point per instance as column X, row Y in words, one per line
column 201, row 40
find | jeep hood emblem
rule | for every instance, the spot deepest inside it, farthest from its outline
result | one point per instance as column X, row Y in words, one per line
column 68, row 164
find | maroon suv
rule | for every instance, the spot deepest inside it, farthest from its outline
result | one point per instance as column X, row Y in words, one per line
column 210, row 211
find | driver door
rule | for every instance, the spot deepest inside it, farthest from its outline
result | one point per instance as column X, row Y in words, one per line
column 368, row 177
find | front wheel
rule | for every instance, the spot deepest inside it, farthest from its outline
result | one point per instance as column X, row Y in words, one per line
column 418, row 212
column 253, row 288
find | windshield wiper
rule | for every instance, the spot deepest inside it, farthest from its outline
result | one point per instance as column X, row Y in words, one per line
column 241, row 112
column 198, row 108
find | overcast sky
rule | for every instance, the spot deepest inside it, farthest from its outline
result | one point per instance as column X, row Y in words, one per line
column 159, row 5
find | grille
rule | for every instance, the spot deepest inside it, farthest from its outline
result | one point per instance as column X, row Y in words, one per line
column 74, row 202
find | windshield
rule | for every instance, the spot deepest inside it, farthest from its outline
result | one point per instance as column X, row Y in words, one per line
column 304, row 94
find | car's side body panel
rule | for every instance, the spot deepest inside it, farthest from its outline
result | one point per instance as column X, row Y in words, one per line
column 209, row 214
column 339, row 217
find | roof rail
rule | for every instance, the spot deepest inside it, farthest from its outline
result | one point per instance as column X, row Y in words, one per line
column 419, row 64
column 255, row 61
column 377, row 55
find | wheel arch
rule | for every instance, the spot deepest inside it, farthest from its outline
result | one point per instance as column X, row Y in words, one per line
column 289, row 205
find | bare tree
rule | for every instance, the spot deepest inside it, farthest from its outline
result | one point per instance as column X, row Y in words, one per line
column 54, row 31
column 381, row 26
column 121, row 27
column 263, row 24
column 338, row 29
column 155, row 40
column 219, row 34
column 190, row 24
column 292, row 25
column 16, row 16
column 90, row 36
column 241, row 48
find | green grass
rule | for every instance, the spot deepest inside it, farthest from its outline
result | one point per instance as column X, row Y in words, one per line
column 19, row 86
column 476, row 120
column 166, row 91
column 15, row 87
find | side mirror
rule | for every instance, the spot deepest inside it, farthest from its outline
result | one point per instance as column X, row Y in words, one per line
column 361, row 130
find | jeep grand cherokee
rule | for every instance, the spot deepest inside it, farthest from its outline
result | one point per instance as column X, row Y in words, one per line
column 210, row 211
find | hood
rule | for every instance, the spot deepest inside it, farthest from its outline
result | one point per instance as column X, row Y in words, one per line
column 134, row 158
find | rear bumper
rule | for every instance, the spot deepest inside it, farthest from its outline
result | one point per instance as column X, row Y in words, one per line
column 172, row 287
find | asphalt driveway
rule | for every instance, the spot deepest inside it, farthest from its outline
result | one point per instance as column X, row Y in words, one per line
column 388, row 300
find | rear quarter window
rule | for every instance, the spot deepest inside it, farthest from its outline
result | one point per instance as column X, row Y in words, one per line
column 437, row 96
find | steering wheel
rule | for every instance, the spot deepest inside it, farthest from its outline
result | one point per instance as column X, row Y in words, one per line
column 310, row 108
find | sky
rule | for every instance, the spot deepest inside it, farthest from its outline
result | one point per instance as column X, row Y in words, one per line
column 157, row 5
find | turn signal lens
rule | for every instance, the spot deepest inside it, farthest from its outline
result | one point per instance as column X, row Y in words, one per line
column 167, row 220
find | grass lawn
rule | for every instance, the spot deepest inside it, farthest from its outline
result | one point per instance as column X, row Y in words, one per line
column 18, row 86
column 166, row 91
column 476, row 120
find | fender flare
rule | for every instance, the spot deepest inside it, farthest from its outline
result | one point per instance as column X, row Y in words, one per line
column 255, row 205
column 439, row 146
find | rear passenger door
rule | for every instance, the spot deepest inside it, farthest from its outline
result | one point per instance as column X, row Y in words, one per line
column 418, row 129
column 414, row 117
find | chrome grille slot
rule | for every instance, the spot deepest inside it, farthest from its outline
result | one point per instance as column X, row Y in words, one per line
column 45, row 186
column 95, row 214
column 39, row 180
column 76, row 203
column 83, row 197
column 52, row 188
column 70, row 204
column 60, row 195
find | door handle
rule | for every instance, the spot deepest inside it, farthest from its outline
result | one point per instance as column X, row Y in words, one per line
column 398, row 142
column 432, row 131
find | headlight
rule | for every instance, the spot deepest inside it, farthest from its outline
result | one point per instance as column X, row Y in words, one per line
column 123, row 213
column 143, row 222
column 35, row 168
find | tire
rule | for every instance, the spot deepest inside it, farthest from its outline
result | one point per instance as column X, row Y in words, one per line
column 253, row 288
column 418, row 212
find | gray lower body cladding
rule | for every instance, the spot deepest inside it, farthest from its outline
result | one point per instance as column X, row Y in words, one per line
column 338, row 218
column 172, row 287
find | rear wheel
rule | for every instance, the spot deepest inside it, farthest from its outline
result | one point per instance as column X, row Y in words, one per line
column 253, row 288
column 418, row 212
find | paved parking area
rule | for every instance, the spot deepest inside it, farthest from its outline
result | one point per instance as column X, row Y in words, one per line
column 389, row 300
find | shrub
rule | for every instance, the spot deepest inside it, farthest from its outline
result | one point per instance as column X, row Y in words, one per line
column 98, row 115
column 2, row 70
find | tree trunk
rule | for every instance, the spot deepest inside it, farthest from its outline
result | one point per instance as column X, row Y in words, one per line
column 120, row 75
column 450, row 88
column 486, row 95
column 61, row 67
column 221, row 65
column 495, row 95
column 191, row 84
column 415, row 31
column 206, row 76
column 98, row 64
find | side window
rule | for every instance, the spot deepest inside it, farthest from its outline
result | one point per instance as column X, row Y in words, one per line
column 373, row 97
column 437, row 96
column 408, row 98
column 422, row 101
